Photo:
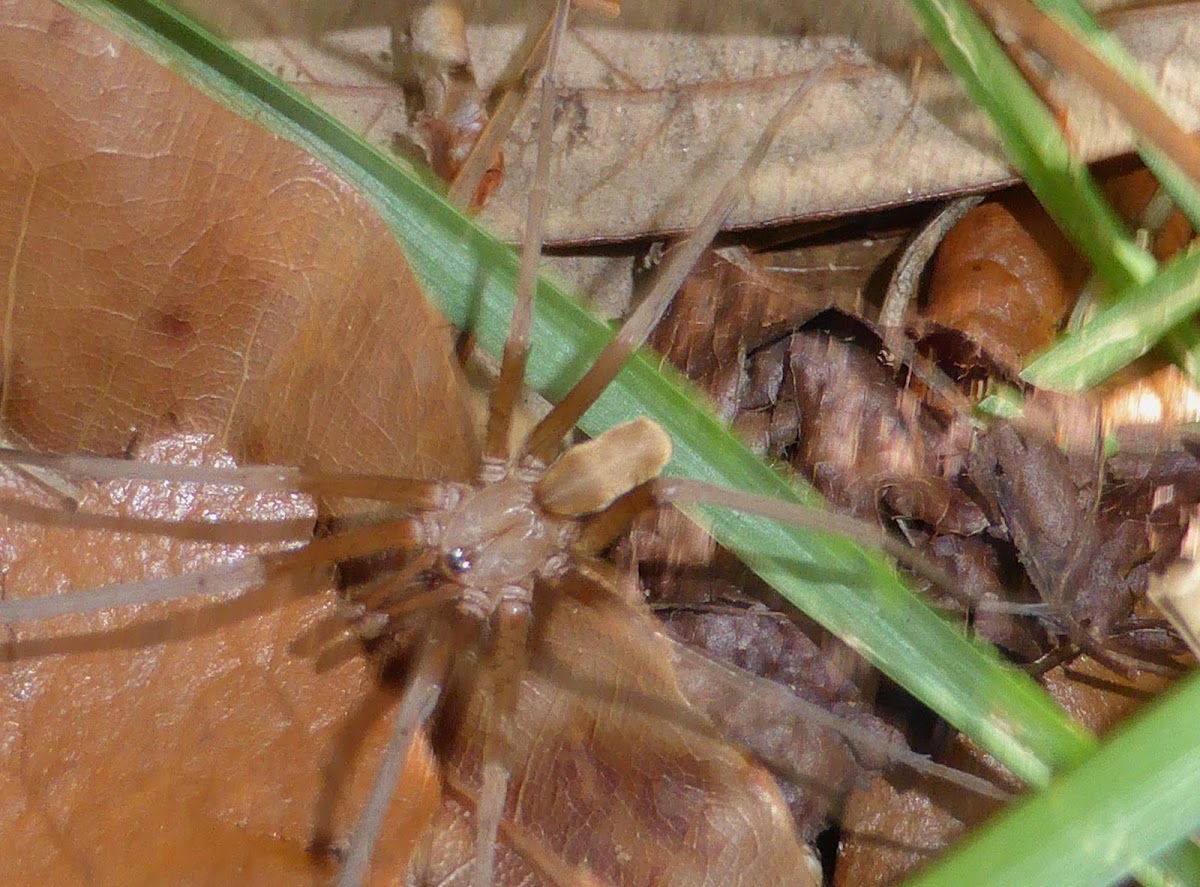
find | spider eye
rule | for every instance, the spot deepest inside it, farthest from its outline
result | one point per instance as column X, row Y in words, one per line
column 458, row 560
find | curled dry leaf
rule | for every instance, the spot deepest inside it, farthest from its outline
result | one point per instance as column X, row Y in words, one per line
column 1005, row 277
column 1131, row 194
column 430, row 55
column 173, row 268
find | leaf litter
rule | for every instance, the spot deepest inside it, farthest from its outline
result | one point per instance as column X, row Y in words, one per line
column 860, row 491
column 1052, row 549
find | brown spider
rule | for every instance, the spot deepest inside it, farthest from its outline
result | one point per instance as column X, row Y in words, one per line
column 498, row 576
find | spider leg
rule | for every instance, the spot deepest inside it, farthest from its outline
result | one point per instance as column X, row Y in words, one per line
column 413, row 494
column 505, row 665
column 230, row 532
column 606, row 527
column 421, row 696
column 380, row 593
column 228, row 579
column 1082, row 644
column 1129, row 657
column 516, row 347
column 1149, row 635
column 683, row 491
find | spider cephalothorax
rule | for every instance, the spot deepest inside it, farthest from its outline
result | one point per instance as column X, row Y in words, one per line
column 497, row 541
column 490, row 542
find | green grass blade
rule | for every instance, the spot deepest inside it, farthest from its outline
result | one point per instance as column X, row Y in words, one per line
column 1127, row 803
column 1033, row 141
column 1122, row 333
column 1182, row 189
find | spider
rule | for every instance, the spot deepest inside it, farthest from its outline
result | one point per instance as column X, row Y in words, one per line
column 497, row 577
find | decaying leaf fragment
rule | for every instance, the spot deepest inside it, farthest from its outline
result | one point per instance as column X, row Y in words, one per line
column 430, row 56
column 1088, row 552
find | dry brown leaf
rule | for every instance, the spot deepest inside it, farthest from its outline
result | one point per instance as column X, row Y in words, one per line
column 210, row 729
column 1005, row 277
column 621, row 771
column 165, row 258
column 181, row 280
column 664, row 99
column 172, row 266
